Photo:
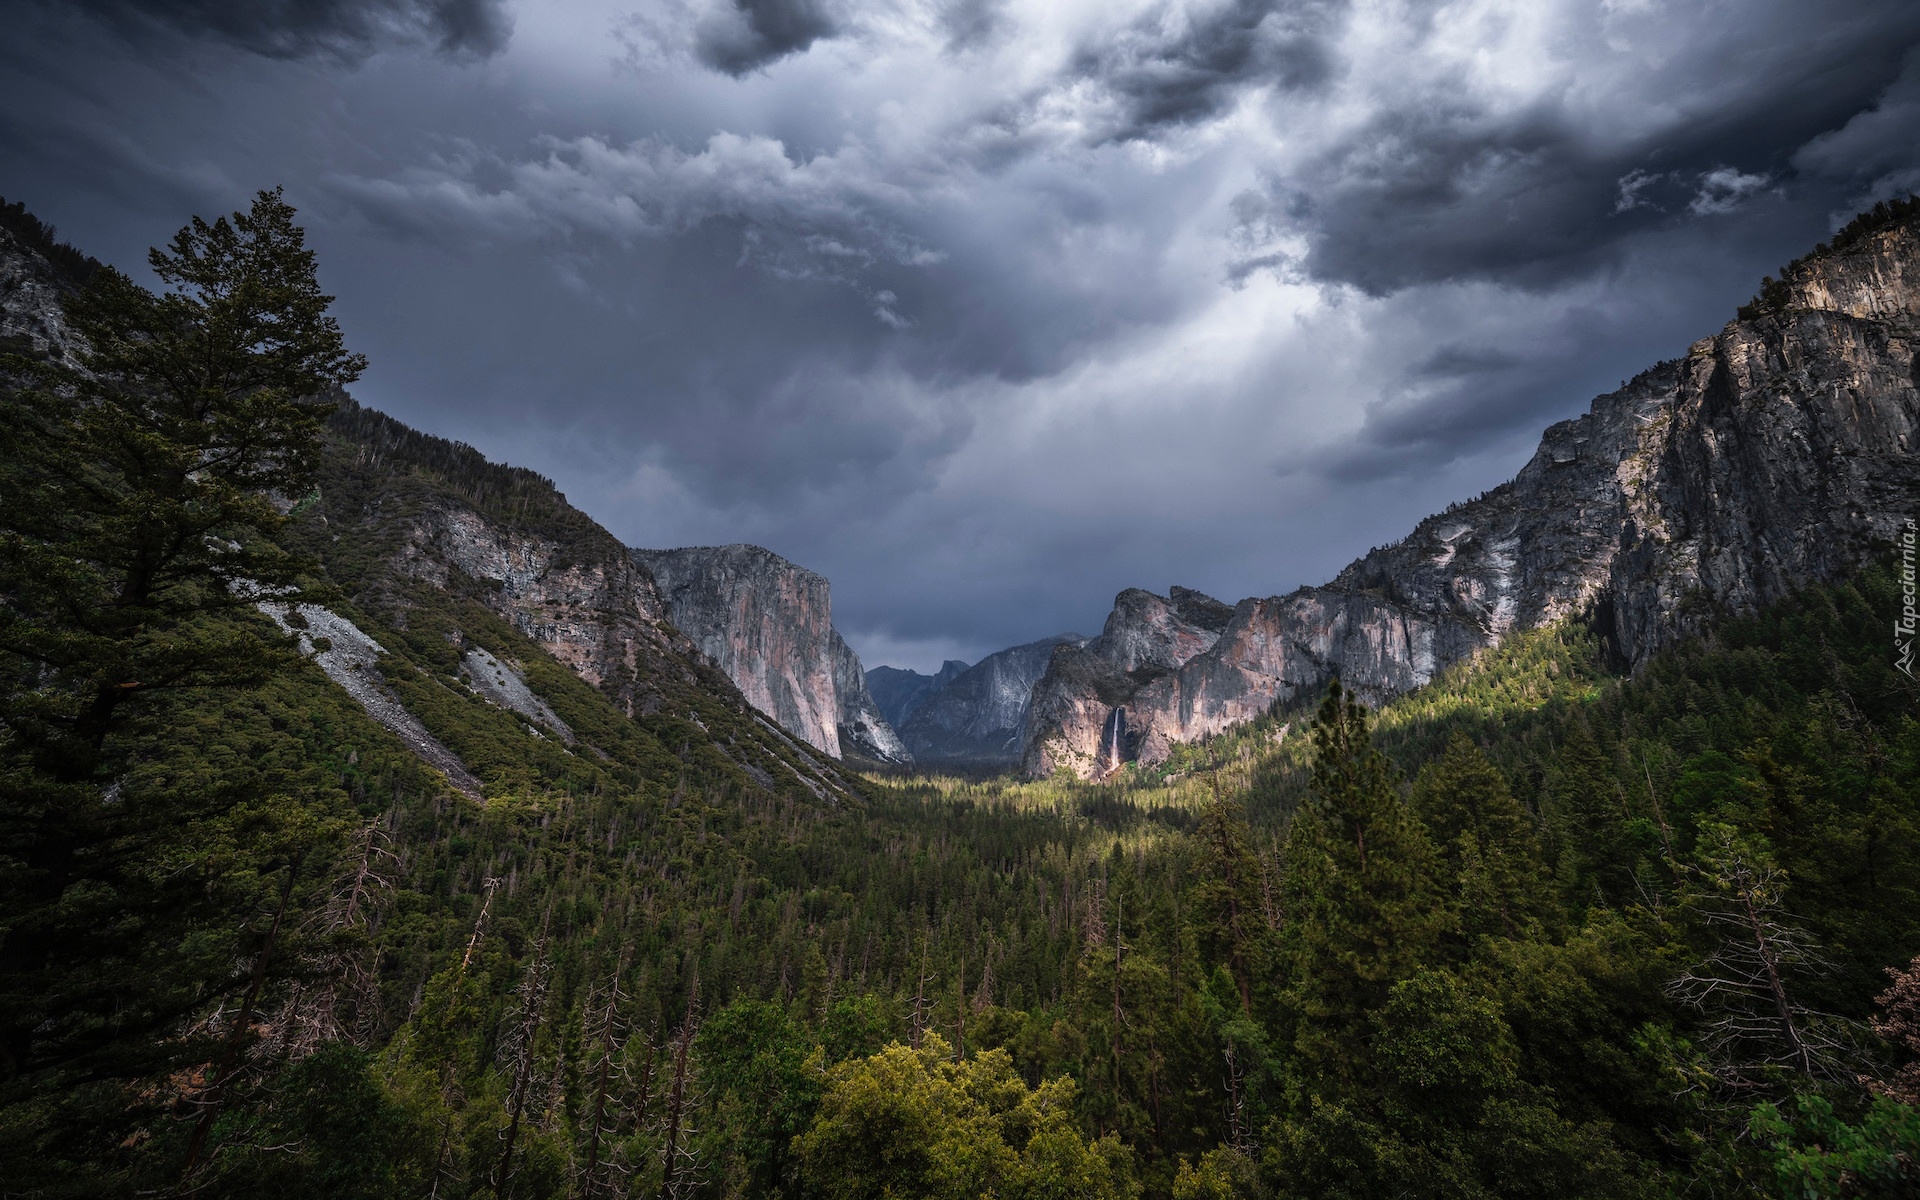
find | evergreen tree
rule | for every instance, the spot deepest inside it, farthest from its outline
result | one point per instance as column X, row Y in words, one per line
column 1226, row 905
column 1363, row 908
column 1485, row 840
column 144, row 486
column 1586, row 816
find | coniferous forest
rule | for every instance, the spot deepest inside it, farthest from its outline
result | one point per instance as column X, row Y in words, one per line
column 1539, row 929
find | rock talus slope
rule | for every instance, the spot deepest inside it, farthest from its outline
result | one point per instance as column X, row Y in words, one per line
column 1775, row 453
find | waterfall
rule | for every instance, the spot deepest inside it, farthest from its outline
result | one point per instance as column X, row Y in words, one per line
column 1113, row 740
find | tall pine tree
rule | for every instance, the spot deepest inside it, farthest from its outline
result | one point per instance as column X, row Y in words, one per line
column 144, row 481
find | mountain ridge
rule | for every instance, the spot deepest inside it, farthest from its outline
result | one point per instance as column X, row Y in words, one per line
column 1773, row 454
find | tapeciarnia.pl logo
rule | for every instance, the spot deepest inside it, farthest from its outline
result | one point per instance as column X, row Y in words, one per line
column 1904, row 625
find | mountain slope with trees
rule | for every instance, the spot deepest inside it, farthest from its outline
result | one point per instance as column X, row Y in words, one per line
column 1534, row 929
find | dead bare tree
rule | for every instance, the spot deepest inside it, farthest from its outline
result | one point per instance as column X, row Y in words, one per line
column 983, row 991
column 1270, row 907
column 338, row 997
column 1239, row 1130
column 960, row 1016
column 1093, row 929
column 490, row 884
column 1754, row 1027
column 518, row 1049
column 918, row 1028
column 605, row 1034
column 679, row 1165
column 445, row 1158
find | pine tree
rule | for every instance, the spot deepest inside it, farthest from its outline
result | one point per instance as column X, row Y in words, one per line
column 1586, row 814
column 144, row 481
column 1363, row 911
column 1360, row 893
column 1485, row 840
column 1226, row 907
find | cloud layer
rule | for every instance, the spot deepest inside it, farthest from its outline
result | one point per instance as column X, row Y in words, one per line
column 989, row 308
column 341, row 29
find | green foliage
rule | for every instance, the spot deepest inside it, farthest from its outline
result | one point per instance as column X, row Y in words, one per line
column 1816, row 1155
column 1361, row 896
column 908, row 1122
column 139, row 481
column 757, row 1063
column 1486, row 839
column 154, row 844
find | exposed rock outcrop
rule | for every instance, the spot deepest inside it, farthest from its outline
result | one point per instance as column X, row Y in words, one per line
column 768, row 624
column 899, row 692
column 502, row 684
column 32, row 322
column 352, row 659
column 1776, row 453
column 978, row 716
column 406, row 521
column 864, row 731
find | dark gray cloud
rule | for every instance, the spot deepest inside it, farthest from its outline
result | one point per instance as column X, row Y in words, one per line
column 1175, row 66
column 987, row 309
column 745, row 35
column 342, row 29
column 1442, row 183
column 970, row 23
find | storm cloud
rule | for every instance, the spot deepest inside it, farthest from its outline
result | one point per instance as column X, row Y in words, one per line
column 342, row 29
column 744, row 35
column 1177, row 65
column 987, row 309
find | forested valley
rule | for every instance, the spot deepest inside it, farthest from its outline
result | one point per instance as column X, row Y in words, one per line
column 1538, row 929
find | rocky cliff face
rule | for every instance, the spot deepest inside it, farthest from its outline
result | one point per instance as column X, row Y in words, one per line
column 978, row 716
column 768, row 624
column 422, row 512
column 1778, row 452
column 864, row 731
column 899, row 693
column 31, row 320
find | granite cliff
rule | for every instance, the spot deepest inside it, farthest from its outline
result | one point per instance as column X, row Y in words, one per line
column 412, row 526
column 1776, row 453
column 31, row 320
column 977, row 715
column 768, row 624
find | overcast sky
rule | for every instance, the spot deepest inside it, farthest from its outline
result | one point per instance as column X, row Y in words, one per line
column 986, row 309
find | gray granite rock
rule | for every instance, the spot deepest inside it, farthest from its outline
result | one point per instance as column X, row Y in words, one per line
column 1777, row 453
column 977, row 717
column 768, row 624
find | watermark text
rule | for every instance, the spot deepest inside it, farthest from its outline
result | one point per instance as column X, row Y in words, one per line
column 1905, row 624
